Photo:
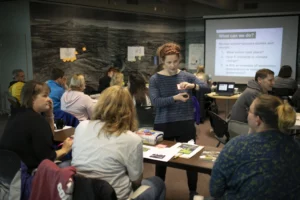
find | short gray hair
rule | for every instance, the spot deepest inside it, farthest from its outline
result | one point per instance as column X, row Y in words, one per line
column 15, row 72
column 77, row 82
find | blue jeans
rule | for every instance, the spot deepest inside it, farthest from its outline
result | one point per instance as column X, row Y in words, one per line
column 157, row 190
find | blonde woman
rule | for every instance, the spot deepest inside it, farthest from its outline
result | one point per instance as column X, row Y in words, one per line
column 107, row 148
column 117, row 79
column 200, row 74
column 264, row 164
column 74, row 101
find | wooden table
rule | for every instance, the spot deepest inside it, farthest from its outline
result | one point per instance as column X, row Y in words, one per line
column 61, row 135
column 227, row 98
column 192, row 164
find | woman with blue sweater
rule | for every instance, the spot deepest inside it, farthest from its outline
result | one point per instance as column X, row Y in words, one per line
column 170, row 92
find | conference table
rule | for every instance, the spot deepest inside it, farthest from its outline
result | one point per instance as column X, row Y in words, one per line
column 214, row 95
column 193, row 164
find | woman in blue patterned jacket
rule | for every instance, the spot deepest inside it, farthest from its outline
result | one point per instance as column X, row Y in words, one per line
column 170, row 92
column 264, row 164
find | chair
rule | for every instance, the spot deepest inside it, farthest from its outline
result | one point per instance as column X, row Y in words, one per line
column 146, row 116
column 236, row 128
column 68, row 118
column 220, row 127
column 14, row 103
column 92, row 188
column 283, row 93
column 10, row 165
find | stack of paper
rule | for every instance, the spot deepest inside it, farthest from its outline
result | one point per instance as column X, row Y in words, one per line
column 187, row 150
column 210, row 155
column 161, row 154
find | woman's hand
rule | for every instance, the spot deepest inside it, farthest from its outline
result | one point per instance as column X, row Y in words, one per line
column 49, row 112
column 181, row 97
column 67, row 145
column 186, row 86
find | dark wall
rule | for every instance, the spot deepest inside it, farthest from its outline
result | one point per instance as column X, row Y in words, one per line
column 105, row 34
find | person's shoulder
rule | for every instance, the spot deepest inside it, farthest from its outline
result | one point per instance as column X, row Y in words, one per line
column 154, row 77
column 132, row 136
column 18, row 84
column 31, row 117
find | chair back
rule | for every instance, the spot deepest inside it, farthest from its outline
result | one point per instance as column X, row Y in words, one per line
column 283, row 92
column 145, row 115
column 68, row 118
column 219, row 125
column 10, row 164
column 236, row 128
column 92, row 188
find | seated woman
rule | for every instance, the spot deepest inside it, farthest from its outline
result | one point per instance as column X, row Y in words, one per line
column 30, row 133
column 284, row 80
column 200, row 74
column 117, row 79
column 107, row 148
column 138, row 90
column 75, row 101
column 264, row 164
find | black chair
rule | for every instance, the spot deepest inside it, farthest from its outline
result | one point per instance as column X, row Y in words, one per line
column 220, row 127
column 283, row 93
column 92, row 188
column 146, row 116
column 10, row 164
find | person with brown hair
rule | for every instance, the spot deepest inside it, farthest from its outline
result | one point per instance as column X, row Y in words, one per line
column 30, row 132
column 138, row 90
column 104, row 82
column 264, row 164
column 108, row 148
column 262, row 84
column 170, row 92
column 57, row 85
column 284, row 80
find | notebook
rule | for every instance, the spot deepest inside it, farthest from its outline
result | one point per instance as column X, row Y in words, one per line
column 225, row 88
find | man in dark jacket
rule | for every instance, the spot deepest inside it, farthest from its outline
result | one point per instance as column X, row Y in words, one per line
column 104, row 82
column 262, row 84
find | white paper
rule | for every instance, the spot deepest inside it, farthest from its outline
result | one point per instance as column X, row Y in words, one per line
column 161, row 154
column 95, row 96
column 196, row 55
column 65, row 127
column 188, row 152
column 66, row 53
column 135, row 51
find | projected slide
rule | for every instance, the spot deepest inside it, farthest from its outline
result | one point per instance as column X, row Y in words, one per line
column 241, row 52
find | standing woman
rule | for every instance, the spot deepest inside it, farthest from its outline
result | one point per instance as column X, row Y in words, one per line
column 170, row 92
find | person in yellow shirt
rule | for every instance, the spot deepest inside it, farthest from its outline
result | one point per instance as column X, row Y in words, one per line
column 15, row 87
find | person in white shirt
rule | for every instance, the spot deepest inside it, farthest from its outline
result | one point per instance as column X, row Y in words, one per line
column 107, row 147
column 75, row 102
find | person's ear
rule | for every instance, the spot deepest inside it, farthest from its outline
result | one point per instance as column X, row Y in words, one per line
column 258, row 121
column 259, row 80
